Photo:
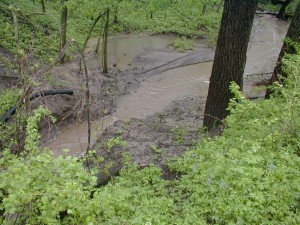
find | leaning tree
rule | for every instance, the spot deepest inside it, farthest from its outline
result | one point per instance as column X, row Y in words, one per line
column 63, row 27
column 288, row 47
column 230, row 58
column 281, row 14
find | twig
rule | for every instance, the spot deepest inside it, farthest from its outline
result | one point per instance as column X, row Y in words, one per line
column 181, row 144
column 92, row 28
column 87, row 91
column 185, row 15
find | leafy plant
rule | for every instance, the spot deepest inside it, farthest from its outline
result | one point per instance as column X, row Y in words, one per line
column 42, row 189
column 156, row 149
column 183, row 44
column 32, row 129
column 179, row 134
column 117, row 141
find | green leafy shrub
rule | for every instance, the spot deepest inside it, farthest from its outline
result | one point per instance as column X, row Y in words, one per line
column 42, row 189
column 250, row 175
column 117, row 141
column 33, row 135
column 183, row 44
column 8, row 99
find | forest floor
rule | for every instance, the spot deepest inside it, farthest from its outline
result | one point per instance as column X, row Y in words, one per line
column 153, row 134
column 154, row 99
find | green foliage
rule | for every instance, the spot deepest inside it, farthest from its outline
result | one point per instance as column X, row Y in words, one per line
column 183, row 44
column 143, row 200
column 180, row 17
column 117, row 141
column 156, row 149
column 250, row 175
column 39, row 32
column 32, row 129
column 8, row 99
column 179, row 134
column 40, row 189
column 267, row 5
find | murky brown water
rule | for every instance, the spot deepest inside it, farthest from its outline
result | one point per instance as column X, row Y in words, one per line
column 122, row 50
column 265, row 44
column 158, row 91
column 74, row 137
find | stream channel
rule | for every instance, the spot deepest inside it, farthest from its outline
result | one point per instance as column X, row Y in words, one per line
column 167, row 75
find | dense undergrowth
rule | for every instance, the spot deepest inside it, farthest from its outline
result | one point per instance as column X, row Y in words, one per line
column 249, row 175
column 39, row 33
column 267, row 5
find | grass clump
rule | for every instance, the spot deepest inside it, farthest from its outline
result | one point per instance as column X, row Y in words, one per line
column 182, row 44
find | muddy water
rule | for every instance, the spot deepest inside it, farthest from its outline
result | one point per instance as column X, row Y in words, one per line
column 265, row 44
column 74, row 137
column 122, row 50
column 158, row 91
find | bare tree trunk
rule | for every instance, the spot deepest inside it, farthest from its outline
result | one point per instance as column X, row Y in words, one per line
column 281, row 13
column 204, row 9
column 284, row 4
column 43, row 6
column 116, row 20
column 105, row 36
column 63, row 32
column 92, row 28
column 230, row 58
column 99, row 38
column 16, row 28
column 87, row 105
column 293, row 34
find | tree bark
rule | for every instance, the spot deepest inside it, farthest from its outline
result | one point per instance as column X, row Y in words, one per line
column 230, row 58
column 63, row 32
column 293, row 34
column 105, row 36
column 43, row 6
column 281, row 13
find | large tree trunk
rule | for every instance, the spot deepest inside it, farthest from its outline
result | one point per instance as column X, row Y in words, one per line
column 293, row 34
column 230, row 57
column 63, row 32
